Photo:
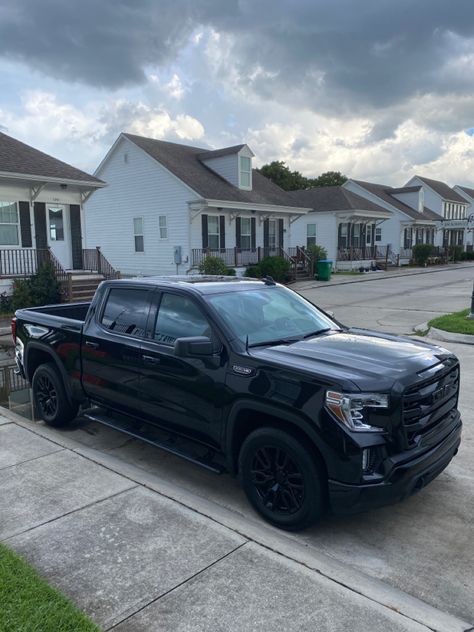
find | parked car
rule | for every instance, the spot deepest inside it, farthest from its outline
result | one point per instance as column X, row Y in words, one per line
column 248, row 377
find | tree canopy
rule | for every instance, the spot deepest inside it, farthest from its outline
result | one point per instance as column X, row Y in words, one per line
column 279, row 173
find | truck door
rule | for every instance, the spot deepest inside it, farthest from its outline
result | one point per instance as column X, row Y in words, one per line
column 111, row 353
column 188, row 394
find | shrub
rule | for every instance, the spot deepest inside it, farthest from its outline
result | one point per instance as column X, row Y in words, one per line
column 316, row 252
column 421, row 252
column 5, row 303
column 41, row 289
column 467, row 256
column 455, row 253
column 215, row 265
column 276, row 267
column 254, row 272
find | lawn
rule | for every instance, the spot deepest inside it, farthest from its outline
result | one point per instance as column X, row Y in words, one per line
column 29, row 604
column 455, row 322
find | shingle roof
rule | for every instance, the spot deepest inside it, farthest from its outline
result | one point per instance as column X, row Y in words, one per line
column 19, row 158
column 185, row 162
column 324, row 199
column 384, row 192
column 216, row 153
column 413, row 189
column 467, row 190
column 445, row 191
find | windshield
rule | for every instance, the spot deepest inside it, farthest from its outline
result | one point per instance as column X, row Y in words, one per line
column 272, row 314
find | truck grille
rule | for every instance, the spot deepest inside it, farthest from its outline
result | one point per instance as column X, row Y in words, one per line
column 429, row 407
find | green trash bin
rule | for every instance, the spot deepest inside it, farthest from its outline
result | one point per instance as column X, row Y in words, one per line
column 324, row 269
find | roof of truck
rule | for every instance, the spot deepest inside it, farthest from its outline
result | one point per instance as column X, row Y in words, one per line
column 201, row 284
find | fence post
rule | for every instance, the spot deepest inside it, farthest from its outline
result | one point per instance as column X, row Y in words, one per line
column 69, row 287
column 98, row 259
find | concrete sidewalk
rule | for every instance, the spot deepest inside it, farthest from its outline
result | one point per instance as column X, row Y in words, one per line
column 138, row 553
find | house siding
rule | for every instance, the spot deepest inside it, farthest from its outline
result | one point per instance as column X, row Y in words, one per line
column 326, row 231
column 226, row 166
column 139, row 187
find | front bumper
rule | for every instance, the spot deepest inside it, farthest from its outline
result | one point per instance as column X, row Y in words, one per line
column 404, row 480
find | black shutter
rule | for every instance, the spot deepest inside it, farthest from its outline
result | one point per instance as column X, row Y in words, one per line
column 237, row 232
column 222, row 231
column 205, row 234
column 76, row 237
column 40, row 225
column 253, row 233
column 280, row 233
column 266, row 233
column 25, row 224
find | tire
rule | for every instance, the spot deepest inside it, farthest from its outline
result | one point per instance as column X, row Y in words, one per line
column 281, row 479
column 49, row 396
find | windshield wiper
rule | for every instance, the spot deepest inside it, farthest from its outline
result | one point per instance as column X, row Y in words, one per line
column 278, row 341
column 317, row 332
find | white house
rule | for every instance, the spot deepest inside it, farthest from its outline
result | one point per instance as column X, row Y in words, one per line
column 41, row 211
column 168, row 205
column 468, row 223
column 411, row 221
column 451, row 205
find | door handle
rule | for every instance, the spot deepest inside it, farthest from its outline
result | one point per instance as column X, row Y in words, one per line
column 147, row 359
column 92, row 345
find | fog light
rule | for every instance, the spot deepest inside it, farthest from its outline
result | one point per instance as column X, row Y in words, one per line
column 368, row 460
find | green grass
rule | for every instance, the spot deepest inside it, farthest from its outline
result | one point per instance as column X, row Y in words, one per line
column 455, row 322
column 29, row 604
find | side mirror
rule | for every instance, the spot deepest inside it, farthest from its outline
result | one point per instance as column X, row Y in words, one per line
column 193, row 347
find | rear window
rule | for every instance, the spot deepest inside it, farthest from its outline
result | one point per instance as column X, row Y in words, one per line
column 126, row 311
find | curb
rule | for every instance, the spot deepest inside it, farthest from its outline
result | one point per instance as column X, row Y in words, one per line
column 444, row 336
column 270, row 538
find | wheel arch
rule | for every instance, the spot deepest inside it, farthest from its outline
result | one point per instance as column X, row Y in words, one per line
column 37, row 353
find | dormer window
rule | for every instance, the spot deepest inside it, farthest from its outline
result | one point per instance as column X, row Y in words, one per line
column 245, row 172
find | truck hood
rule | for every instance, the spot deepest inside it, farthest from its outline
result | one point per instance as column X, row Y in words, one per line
column 368, row 359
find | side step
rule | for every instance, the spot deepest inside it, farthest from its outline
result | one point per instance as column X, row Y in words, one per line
column 134, row 429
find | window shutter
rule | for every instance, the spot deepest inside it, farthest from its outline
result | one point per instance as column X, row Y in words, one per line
column 266, row 231
column 253, row 233
column 280, row 233
column 76, row 237
column 222, row 231
column 25, row 224
column 237, row 232
column 40, row 225
column 205, row 235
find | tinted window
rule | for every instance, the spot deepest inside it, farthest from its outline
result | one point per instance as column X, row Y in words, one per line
column 179, row 317
column 126, row 311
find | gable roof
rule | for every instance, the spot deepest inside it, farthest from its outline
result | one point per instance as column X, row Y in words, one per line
column 442, row 189
column 217, row 153
column 324, row 199
column 384, row 192
column 17, row 158
column 467, row 190
column 185, row 162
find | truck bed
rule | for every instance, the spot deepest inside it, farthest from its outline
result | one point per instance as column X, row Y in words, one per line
column 55, row 314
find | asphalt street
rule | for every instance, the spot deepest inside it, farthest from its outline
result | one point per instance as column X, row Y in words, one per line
column 422, row 546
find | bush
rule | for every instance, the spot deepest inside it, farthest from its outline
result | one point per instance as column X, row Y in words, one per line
column 316, row 252
column 421, row 252
column 215, row 265
column 276, row 267
column 5, row 303
column 455, row 253
column 254, row 272
column 41, row 289
column 467, row 256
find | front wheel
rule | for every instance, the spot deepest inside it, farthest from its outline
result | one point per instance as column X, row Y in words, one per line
column 50, row 397
column 281, row 479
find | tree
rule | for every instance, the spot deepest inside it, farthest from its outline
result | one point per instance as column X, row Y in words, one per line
column 328, row 179
column 281, row 175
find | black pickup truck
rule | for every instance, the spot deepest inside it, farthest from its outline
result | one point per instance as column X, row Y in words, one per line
column 254, row 380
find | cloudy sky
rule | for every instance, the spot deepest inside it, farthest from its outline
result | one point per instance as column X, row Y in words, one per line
column 377, row 89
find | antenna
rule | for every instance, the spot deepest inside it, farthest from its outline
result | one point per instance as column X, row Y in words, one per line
column 268, row 280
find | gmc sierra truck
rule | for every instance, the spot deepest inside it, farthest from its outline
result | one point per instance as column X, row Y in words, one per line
column 248, row 377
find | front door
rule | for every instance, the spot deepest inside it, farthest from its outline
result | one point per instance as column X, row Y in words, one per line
column 59, row 234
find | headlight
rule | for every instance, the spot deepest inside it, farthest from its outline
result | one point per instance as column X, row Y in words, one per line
column 351, row 408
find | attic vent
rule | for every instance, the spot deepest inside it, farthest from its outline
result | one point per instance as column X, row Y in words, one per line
column 125, row 158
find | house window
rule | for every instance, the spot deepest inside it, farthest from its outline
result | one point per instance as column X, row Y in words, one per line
column 163, row 226
column 272, row 235
column 419, row 236
column 343, row 235
column 310, row 234
column 56, row 224
column 9, row 224
column 245, row 172
column 213, row 232
column 407, row 238
column 378, row 234
column 245, row 233
column 138, row 233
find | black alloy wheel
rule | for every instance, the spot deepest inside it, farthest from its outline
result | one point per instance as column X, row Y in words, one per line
column 50, row 398
column 282, row 479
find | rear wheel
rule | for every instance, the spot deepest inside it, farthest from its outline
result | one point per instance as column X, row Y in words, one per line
column 50, row 397
column 281, row 479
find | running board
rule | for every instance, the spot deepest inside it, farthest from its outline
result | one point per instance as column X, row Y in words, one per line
column 133, row 429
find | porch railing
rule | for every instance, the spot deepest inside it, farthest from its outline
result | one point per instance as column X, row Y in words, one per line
column 234, row 257
column 94, row 260
column 22, row 262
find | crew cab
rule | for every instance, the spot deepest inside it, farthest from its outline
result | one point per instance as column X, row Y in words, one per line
column 247, row 376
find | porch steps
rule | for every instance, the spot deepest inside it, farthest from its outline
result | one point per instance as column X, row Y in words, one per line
column 83, row 286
